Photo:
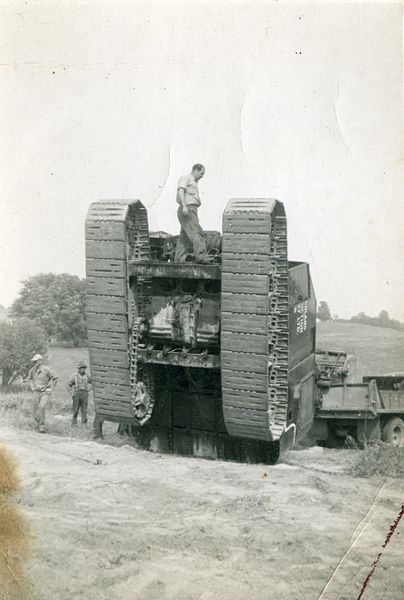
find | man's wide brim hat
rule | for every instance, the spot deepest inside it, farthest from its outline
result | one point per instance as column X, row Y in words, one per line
column 82, row 365
column 36, row 357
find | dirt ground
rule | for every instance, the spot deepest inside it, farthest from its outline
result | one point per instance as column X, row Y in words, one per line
column 111, row 522
column 119, row 523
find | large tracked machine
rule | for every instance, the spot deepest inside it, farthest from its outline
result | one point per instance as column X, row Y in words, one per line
column 213, row 360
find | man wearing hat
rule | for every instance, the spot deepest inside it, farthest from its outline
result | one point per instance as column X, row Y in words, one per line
column 78, row 387
column 43, row 381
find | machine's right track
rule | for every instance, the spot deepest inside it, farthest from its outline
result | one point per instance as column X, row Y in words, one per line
column 254, row 328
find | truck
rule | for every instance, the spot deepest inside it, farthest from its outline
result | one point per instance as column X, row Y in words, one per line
column 213, row 360
column 357, row 412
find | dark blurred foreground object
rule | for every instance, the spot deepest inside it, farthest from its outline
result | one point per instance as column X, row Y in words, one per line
column 14, row 533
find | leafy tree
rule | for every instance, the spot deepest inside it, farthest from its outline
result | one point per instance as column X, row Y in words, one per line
column 57, row 303
column 362, row 318
column 384, row 318
column 19, row 341
column 323, row 312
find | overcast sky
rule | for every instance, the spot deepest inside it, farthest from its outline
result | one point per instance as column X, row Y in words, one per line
column 300, row 102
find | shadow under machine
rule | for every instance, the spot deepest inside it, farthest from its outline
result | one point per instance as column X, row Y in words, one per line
column 213, row 360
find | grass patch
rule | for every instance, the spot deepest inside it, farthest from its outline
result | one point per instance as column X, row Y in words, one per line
column 377, row 350
column 379, row 459
column 16, row 410
column 16, row 401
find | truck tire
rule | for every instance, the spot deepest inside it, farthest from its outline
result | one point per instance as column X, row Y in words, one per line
column 393, row 432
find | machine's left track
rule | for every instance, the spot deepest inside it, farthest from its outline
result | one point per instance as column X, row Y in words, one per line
column 117, row 233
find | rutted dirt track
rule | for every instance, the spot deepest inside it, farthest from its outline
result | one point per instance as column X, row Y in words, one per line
column 119, row 523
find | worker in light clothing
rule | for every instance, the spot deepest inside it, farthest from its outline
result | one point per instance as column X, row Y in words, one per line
column 43, row 381
column 78, row 386
column 192, row 239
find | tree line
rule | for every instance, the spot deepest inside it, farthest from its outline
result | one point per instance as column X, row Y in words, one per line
column 383, row 320
column 50, row 308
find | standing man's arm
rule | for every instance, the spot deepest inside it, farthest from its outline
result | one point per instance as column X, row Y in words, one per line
column 70, row 384
column 53, row 380
column 31, row 380
column 182, row 186
column 181, row 195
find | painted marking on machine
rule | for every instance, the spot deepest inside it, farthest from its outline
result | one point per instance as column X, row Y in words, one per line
column 301, row 311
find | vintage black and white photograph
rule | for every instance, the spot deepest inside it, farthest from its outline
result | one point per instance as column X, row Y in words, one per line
column 201, row 300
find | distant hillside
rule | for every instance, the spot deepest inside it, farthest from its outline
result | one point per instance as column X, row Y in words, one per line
column 377, row 350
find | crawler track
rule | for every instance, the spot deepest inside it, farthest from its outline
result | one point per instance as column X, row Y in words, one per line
column 254, row 334
column 116, row 234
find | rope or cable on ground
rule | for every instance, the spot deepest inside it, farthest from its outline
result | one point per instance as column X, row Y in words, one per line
column 365, row 521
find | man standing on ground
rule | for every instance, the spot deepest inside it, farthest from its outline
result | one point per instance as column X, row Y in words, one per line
column 43, row 382
column 78, row 386
column 191, row 240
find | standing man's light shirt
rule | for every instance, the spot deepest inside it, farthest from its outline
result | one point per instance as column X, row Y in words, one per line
column 189, row 184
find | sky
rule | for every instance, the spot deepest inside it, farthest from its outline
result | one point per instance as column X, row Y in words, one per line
column 301, row 102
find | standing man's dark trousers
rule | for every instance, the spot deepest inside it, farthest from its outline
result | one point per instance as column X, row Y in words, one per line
column 80, row 402
column 192, row 239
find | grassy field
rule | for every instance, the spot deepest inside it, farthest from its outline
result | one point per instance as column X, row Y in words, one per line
column 378, row 351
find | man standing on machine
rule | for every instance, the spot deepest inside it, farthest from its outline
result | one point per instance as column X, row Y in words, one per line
column 192, row 239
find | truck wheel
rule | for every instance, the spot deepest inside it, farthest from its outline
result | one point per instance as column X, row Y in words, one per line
column 393, row 432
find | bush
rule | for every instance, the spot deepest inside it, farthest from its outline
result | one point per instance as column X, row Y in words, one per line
column 379, row 459
column 19, row 341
